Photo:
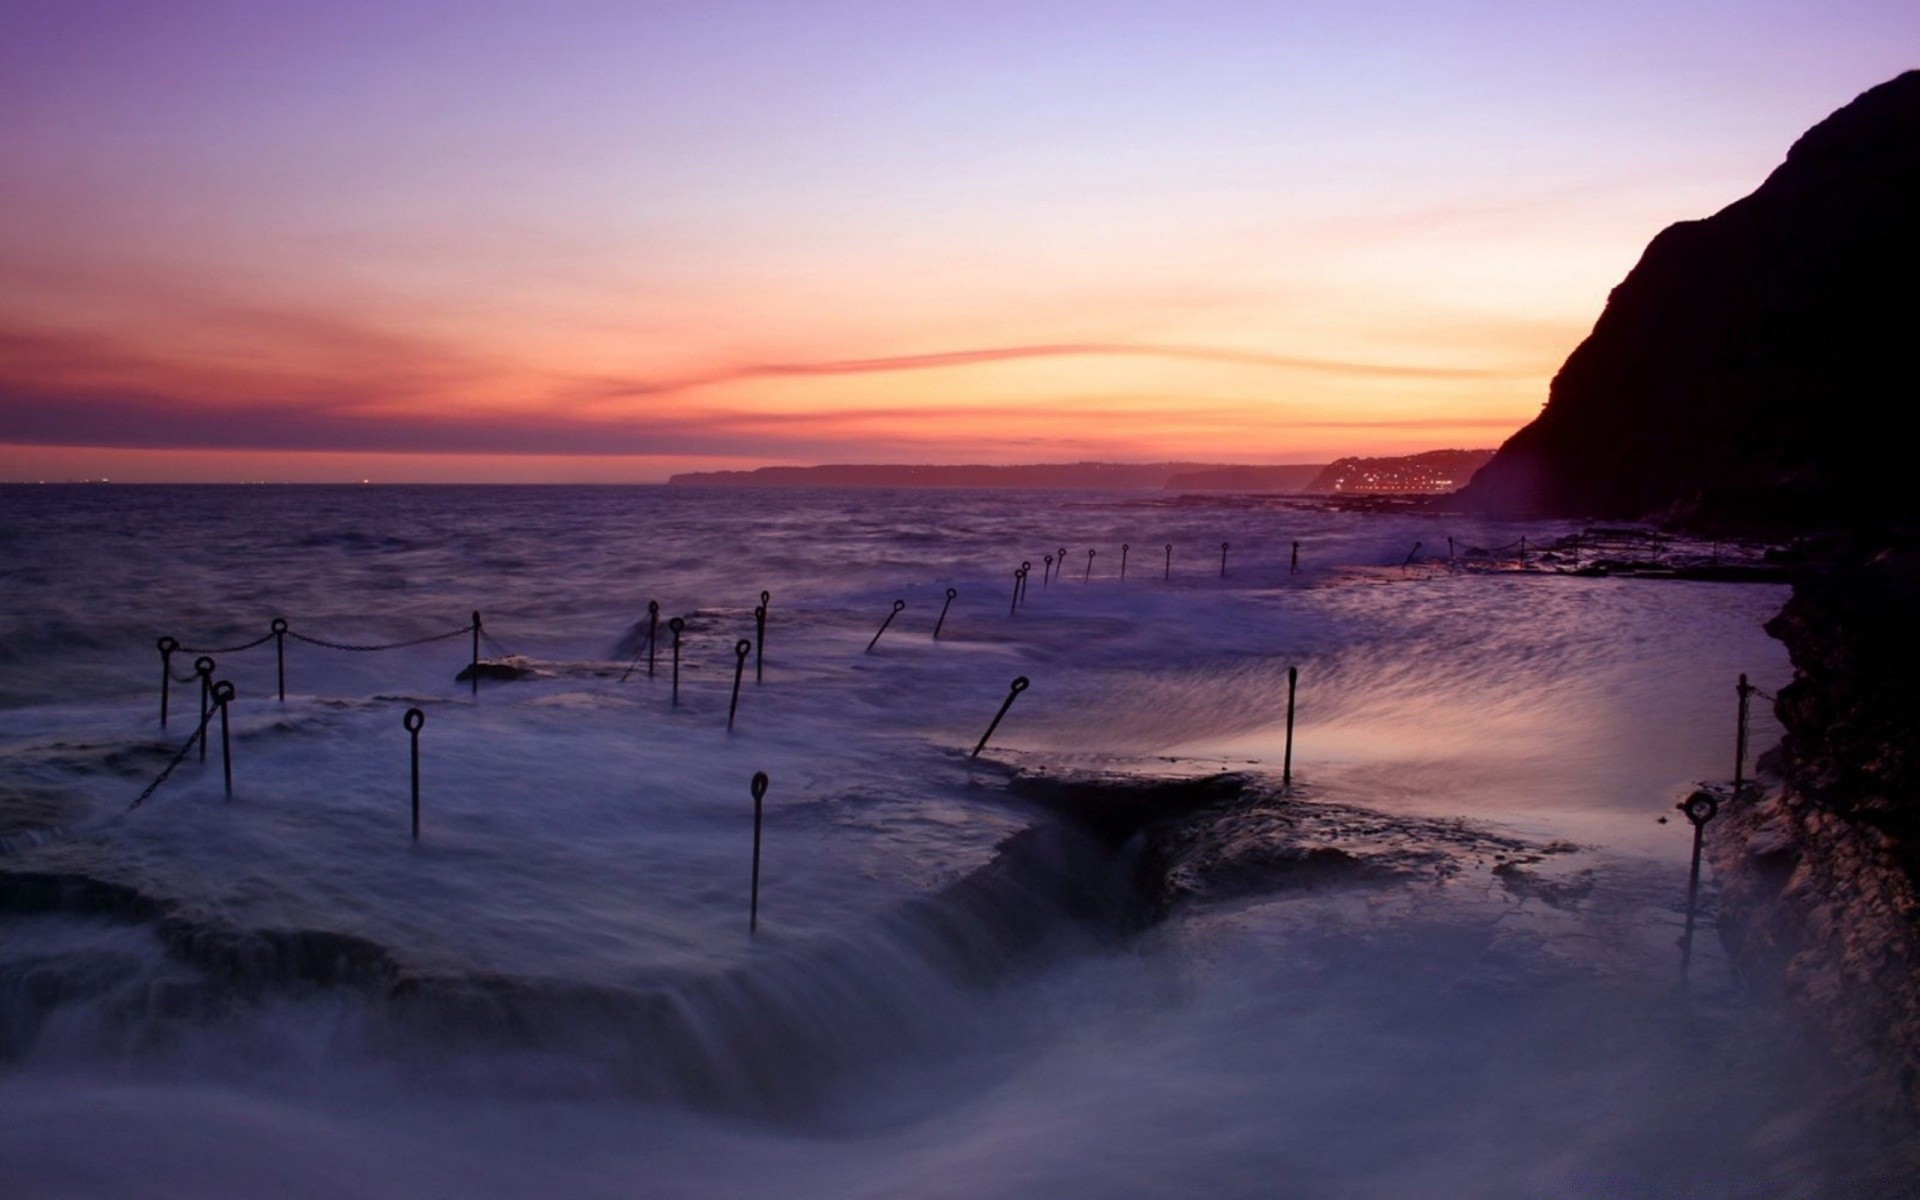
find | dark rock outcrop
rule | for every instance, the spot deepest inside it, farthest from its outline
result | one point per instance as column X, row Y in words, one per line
column 1820, row 882
column 1749, row 368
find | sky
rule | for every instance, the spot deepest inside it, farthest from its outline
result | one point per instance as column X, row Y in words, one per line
column 606, row 241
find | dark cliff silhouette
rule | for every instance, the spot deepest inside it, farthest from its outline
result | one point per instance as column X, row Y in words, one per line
column 1751, row 366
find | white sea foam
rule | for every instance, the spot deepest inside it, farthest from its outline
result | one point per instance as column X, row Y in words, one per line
column 556, row 993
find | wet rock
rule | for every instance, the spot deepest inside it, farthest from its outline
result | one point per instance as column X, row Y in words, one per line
column 1820, row 882
column 497, row 671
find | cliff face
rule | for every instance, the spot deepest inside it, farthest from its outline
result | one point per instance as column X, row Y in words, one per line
column 1820, row 881
column 1750, row 365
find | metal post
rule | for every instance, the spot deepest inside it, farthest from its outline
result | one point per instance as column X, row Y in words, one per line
column 279, row 628
column 1293, row 564
column 759, row 789
column 222, row 696
column 1740, row 738
column 1223, row 560
column 1019, row 685
column 653, row 627
column 1046, row 572
column 203, row 667
column 167, row 647
column 741, row 649
column 760, row 636
column 676, row 625
column 413, row 721
column 1013, row 605
column 1449, row 552
column 1699, row 809
column 476, row 656
column 1286, row 764
column 938, row 625
column 1026, row 569
column 1089, row 575
column 1168, row 576
column 897, row 606
column 1123, row 561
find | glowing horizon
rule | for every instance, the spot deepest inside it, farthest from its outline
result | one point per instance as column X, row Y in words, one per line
column 448, row 241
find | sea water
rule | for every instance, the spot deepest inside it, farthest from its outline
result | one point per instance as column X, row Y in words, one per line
column 554, row 991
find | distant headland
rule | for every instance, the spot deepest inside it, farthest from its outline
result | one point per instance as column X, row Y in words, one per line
column 1433, row 471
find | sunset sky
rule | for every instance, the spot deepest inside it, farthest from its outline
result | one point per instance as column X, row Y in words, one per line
column 608, row 241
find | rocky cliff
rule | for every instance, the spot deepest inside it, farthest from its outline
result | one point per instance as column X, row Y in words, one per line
column 1750, row 368
column 1820, row 875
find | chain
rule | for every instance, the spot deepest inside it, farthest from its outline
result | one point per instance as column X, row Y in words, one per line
column 259, row 641
column 185, row 749
column 421, row 641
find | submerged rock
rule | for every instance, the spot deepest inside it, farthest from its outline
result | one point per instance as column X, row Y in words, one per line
column 499, row 671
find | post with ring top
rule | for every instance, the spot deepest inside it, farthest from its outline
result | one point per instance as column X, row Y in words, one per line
column 1019, row 577
column 203, row 667
column 413, row 721
column 1046, row 571
column 279, row 628
column 1124, row 547
column 897, row 606
column 1086, row 578
column 741, row 649
column 1699, row 809
column 1026, row 569
column 759, row 789
column 1019, row 685
column 1168, row 575
column 941, row 623
column 167, row 647
column 760, row 635
column 1223, row 560
column 223, row 696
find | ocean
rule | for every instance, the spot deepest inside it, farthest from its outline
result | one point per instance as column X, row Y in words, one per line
column 950, row 992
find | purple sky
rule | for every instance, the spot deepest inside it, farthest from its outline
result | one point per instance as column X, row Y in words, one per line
column 596, row 240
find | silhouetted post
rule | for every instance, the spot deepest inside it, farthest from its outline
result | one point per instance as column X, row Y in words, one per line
column 1293, row 564
column 1168, row 576
column 222, row 696
column 759, row 789
column 1063, row 560
column 1223, row 560
column 476, row 655
column 951, row 593
column 1449, row 552
column 1286, row 763
column 1026, row 569
column 676, row 625
column 1743, row 690
column 1699, row 808
column 1046, row 572
column 653, row 627
column 1408, row 561
column 741, row 649
column 1523, row 549
column 279, row 628
column 1013, row 606
column 1019, row 685
column 1123, row 561
column 1089, row 575
column 203, row 667
column 897, row 606
column 760, row 635
column 167, row 647
column 413, row 721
